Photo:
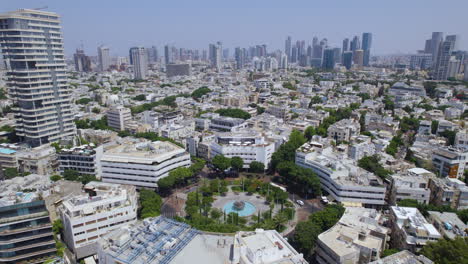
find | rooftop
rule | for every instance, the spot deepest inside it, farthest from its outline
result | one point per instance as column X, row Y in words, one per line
column 403, row 257
column 143, row 152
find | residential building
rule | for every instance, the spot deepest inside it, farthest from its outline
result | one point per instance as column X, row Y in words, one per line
column 448, row 224
column 341, row 177
column 358, row 57
column 358, row 237
column 215, row 55
column 104, row 59
column 25, row 229
column 441, row 68
column 450, row 192
column 400, row 89
column 264, row 246
column 139, row 60
column 403, row 257
column 118, row 117
column 449, row 162
column 410, row 230
column 461, row 140
column 103, row 208
column 279, row 112
column 411, row 184
column 142, row 163
column 248, row 145
column 366, row 47
column 344, row 130
column 8, row 158
column 348, row 59
column 82, row 159
column 39, row 160
column 422, row 61
column 182, row 69
column 36, row 75
column 361, row 147
column 223, row 123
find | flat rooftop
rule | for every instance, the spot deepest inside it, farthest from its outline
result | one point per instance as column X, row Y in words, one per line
column 142, row 152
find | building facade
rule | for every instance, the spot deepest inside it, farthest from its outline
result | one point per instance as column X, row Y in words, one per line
column 36, row 75
column 118, row 117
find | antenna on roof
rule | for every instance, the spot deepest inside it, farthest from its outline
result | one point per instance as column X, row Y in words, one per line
column 41, row 8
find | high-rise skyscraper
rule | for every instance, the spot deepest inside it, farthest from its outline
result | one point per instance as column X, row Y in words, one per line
column 103, row 58
column 287, row 47
column 328, row 59
column 345, row 44
column 444, row 53
column 427, row 46
column 168, row 55
column 82, row 62
column 436, row 40
column 283, row 63
column 355, row 44
column 215, row 55
column 240, row 57
column 153, row 54
column 465, row 77
column 348, row 59
column 366, row 47
column 358, row 57
column 37, row 81
column 139, row 60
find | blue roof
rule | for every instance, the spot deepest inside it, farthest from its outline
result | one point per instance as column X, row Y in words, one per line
column 7, row 151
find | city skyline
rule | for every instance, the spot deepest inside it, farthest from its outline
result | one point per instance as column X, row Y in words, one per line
column 189, row 25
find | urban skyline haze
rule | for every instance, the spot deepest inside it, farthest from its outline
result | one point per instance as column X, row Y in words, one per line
column 123, row 24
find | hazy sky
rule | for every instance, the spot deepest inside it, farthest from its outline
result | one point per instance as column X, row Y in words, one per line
column 397, row 25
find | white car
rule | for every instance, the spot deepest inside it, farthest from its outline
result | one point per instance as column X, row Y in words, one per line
column 324, row 199
column 299, row 202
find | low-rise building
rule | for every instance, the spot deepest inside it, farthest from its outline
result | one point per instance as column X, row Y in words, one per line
column 39, row 160
column 86, row 218
column 412, row 184
column 227, row 123
column 358, row 237
column 341, row 177
column 449, row 162
column 448, row 224
column 410, row 230
column 82, row 159
column 400, row 89
column 248, row 145
column 8, row 158
column 361, row 148
column 143, row 163
column 403, row 257
column 118, row 117
column 344, row 129
column 449, row 192
column 281, row 112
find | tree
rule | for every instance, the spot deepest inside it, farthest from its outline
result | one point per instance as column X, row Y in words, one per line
column 221, row 162
column 305, row 236
column 96, row 110
column 200, row 92
column 371, row 164
column 83, row 100
column 233, row 112
column 463, row 215
column 309, row 132
column 315, row 100
column 10, row 173
column 57, row 226
column 55, row 178
column 237, row 163
column 447, row 251
column 388, row 252
column 150, row 204
column 71, row 175
column 434, row 126
column 140, row 97
column 449, row 135
column 256, row 167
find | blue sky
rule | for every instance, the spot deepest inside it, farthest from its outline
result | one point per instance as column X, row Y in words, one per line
column 397, row 25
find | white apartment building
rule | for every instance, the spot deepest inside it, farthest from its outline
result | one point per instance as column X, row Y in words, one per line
column 142, row 164
column 32, row 49
column 341, row 177
column 450, row 162
column 358, row 237
column 461, row 139
column 413, row 184
column 103, row 207
column 118, row 117
column 361, row 148
column 264, row 246
column 249, row 145
column 410, row 230
column 344, row 129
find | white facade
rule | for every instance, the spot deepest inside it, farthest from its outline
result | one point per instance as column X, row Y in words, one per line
column 103, row 58
column 118, row 117
column 139, row 59
column 414, row 184
column 32, row 49
column 344, row 129
column 88, row 217
column 341, row 177
column 142, row 164
column 410, row 229
column 450, row 162
column 249, row 145
column 358, row 237
column 264, row 246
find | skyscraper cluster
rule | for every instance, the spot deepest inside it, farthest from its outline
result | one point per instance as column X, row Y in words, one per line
column 320, row 54
column 447, row 61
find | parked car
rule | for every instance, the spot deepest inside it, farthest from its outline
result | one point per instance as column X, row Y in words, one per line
column 299, row 202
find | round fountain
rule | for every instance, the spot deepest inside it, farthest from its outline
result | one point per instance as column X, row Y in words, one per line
column 242, row 208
